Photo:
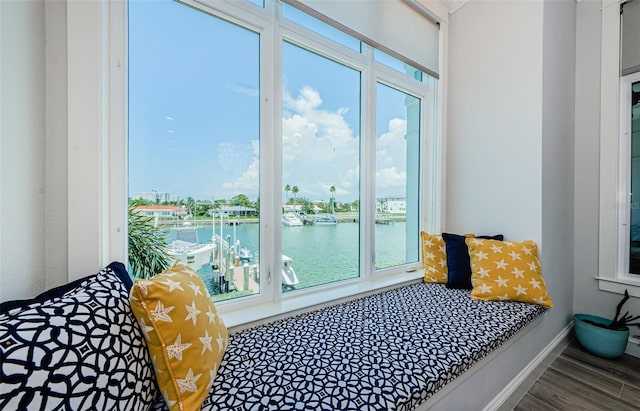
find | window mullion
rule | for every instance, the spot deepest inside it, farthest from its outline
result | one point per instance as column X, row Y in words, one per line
column 367, row 168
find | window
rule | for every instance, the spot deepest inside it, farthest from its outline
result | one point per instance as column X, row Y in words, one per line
column 321, row 159
column 277, row 144
column 630, row 134
column 397, row 177
column 194, row 139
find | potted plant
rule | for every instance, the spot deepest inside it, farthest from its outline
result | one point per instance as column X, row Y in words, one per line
column 604, row 337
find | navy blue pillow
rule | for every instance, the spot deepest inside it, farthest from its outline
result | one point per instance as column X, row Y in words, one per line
column 458, row 260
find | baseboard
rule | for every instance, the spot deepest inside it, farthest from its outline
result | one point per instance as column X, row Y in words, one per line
column 507, row 391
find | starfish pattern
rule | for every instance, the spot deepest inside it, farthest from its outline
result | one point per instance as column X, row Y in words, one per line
column 173, row 285
column 485, row 289
column 160, row 313
column 142, row 286
column 145, row 329
column 535, row 283
column 430, row 255
column 496, row 248
column 212, row 316
column 518, row 273
column 501, row 264
column 220, row 341
column 520, row 289
column 188, row 383
column 196, row 289
column 175, row 350
column 443, row 263
column 193, row 312
column 206, row 342
column 515, row 256
column 502, row 282
column 483, row 272
column 482, row 255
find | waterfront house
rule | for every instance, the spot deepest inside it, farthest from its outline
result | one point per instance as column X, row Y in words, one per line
column 528, row 95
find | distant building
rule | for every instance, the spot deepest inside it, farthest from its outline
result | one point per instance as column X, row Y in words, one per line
column 290, row 207
column 162, row 211
column 238, row 210
column 391, row 205
column 156, row 197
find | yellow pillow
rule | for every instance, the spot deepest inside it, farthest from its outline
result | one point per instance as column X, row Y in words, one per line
column 185, row 335
column 507, row 270
column 434, row 258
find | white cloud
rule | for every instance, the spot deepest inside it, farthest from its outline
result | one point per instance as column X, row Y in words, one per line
column 320, row 150
column 248, row 181
column 245, row 89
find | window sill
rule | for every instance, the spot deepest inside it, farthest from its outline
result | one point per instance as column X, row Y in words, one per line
column 259, row 314
column 618, row 285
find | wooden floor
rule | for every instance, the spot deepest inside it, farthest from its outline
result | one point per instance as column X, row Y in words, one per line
column 577, row 380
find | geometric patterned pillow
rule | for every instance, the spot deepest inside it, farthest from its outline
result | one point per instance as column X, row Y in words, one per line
column 75, row 347
column 434, row 258
column 507, row 270
column 185, row 335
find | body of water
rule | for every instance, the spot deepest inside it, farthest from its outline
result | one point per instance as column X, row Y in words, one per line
column 320, row 253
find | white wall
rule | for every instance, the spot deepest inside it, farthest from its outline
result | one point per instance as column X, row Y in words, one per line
column 22, row 148
column 587, row 297
column 510, row 154
column 493, row 176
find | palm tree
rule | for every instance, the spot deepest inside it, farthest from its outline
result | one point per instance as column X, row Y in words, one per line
column 147, row 246
column 295, row 191
column 287, row 188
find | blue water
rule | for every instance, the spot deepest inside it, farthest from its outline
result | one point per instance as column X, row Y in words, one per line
column 320, row 253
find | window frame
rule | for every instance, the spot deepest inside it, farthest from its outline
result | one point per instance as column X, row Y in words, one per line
column 273, row 29
column 613, row 241
column 624, row 214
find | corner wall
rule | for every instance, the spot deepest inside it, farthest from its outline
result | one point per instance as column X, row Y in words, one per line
column 587, row 297
column 22, row 148
column 510, row 155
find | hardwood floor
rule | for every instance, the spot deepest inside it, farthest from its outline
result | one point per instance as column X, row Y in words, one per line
column 577, row 380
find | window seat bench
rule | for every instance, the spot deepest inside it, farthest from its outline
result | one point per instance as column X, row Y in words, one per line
column 387, row 351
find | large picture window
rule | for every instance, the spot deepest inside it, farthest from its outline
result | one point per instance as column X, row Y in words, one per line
column 279, row 154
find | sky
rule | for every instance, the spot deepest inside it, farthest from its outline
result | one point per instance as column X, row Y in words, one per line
column 194, row 113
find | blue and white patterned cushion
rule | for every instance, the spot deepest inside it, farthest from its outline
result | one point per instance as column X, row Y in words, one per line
column 75, row 347
column 388, row 351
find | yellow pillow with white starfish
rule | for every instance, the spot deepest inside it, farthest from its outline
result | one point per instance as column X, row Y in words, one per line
column 434, row 258
column 184, row 333
column 507, row 270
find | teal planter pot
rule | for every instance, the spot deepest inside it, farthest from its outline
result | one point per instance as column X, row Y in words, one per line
column 597, row 340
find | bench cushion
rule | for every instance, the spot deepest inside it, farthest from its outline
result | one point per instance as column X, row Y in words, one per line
column 391, row 350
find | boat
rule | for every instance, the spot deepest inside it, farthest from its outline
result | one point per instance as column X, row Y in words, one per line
column 291, row 219
column 326, row 219
column 188, row 249
column 289, row 277
column 244, row 255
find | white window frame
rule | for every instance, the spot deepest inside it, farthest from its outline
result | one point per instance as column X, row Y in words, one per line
column 106, row 95
column 614, row 228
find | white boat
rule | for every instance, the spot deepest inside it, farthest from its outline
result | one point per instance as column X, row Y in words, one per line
column 289, row 277
column 326, row 219
column 187, row 248
column 244, row 255
column 291, row 219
